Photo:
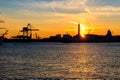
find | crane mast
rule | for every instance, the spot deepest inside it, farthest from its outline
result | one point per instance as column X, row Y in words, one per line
column 26, row 32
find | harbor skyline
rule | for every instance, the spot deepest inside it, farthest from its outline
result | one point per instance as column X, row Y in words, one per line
column 59, row 39
column 54, row 16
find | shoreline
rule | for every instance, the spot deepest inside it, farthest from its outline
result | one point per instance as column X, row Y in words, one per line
column 60, row 41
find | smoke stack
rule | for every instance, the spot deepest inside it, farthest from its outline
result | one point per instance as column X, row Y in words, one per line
column 79, row 29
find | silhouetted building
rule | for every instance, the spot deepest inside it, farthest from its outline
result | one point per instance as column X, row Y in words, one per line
column 67, row 38
column 94, row 38
column 109, row 36
column 76, row 38
column 56, row 38
column 109, row 33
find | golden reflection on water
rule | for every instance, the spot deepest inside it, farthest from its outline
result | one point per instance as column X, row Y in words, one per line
column 82, row 65
column 78, row 60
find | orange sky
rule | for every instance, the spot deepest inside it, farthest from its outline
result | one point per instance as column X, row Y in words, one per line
column 53, row 17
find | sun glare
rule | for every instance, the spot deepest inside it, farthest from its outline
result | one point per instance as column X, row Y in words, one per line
column 82, row 27
column 83, row 30
column 82, row 35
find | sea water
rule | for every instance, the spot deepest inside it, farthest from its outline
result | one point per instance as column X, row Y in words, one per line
column 60, row 60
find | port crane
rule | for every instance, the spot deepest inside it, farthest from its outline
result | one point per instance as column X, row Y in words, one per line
column 26, row 32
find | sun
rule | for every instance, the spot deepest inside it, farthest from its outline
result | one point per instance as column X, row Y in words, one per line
column 83, row 30
column 83, row 35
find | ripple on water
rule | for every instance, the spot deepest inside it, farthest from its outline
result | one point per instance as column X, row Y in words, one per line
column 59, row 60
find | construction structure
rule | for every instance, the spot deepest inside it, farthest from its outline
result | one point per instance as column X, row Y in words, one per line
column 26, row 32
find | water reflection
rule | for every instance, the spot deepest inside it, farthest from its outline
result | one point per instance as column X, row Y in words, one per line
column 58, row 60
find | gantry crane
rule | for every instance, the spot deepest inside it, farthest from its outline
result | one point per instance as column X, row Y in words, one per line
column 26, row 32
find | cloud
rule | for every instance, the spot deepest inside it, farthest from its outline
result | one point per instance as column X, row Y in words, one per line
column 30, row 14
column 36, row 8
column 73, row 6
column 1, row 21
column 94, row 3
column 61, row 6
column 105, row 10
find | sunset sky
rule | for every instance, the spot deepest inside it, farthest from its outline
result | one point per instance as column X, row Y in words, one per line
column 53, row 17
